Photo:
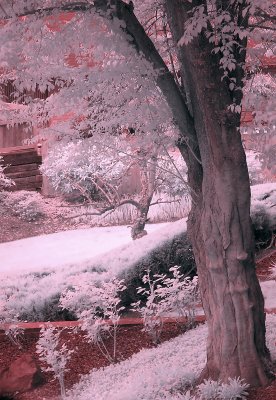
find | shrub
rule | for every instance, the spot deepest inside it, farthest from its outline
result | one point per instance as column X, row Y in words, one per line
column 5, row 182
column 235, row 389
column 166, row 294
column 263, row 213
column 179, row 293
column 152, row 310
column 97, row 305
column 209, row 390
column 15, row 334
column 53, row 354
column 26, row 205
column 175, row 251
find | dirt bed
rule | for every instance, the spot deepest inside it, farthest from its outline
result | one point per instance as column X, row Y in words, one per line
column 131, row 339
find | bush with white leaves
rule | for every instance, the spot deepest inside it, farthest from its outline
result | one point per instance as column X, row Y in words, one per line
column 152, row 310
column 179, row 293
column 164, row 295
column 53, row 354
column 15, row 334
column 235, row 389
column 5, row 182
column 27, row 205
column 209, row 389
column 94, row 304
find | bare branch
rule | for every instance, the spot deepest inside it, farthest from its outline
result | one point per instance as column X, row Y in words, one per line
column 165, row 202
column 104, row 210
column 260, row 26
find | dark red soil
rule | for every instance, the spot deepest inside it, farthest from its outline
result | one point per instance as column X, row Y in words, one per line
column 131, row 339
column 267, row 393
column 264, row 264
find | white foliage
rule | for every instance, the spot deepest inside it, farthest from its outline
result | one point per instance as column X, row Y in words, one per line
column 235, row 389
column 43, row 279
column 209, row 390
column 15, row 334
column 152, row 310
column 121, row 91
column 25, row 204
column 186, row 396
column 151, row 373
column 260, row 100
column 194, row 25
column 99, row 172
column 263, row 206
column 180, row 294
column 5, row 182
column 81, row 165
column 53, row 354
column 44, row 275
column 164, row 209
column 93, row 305
column 254, row 166
column 226, row 30
column 166, row 294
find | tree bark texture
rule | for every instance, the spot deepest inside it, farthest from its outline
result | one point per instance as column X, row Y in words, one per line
column 219, row 224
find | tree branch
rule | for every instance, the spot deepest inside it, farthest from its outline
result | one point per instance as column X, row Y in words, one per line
column 260, row 26
column 104, row 210
column 165, row 80
column 165, row 202
column 265, row 15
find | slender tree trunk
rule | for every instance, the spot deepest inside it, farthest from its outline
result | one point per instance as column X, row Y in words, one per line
column 148, row 181
column 219, row 224
column 138, row 228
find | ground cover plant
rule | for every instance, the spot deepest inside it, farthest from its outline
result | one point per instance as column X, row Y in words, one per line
column 37, row 292
column 168, row 371
column 27, row 205
column 66, row 255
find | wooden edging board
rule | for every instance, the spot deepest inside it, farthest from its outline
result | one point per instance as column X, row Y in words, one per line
column 36, row 326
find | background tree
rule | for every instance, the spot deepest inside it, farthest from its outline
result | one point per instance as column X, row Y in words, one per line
column 211, row 38
column 98, row 172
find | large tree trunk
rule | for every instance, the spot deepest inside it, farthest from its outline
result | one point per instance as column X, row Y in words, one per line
column 219, row 223
column 220, row 230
